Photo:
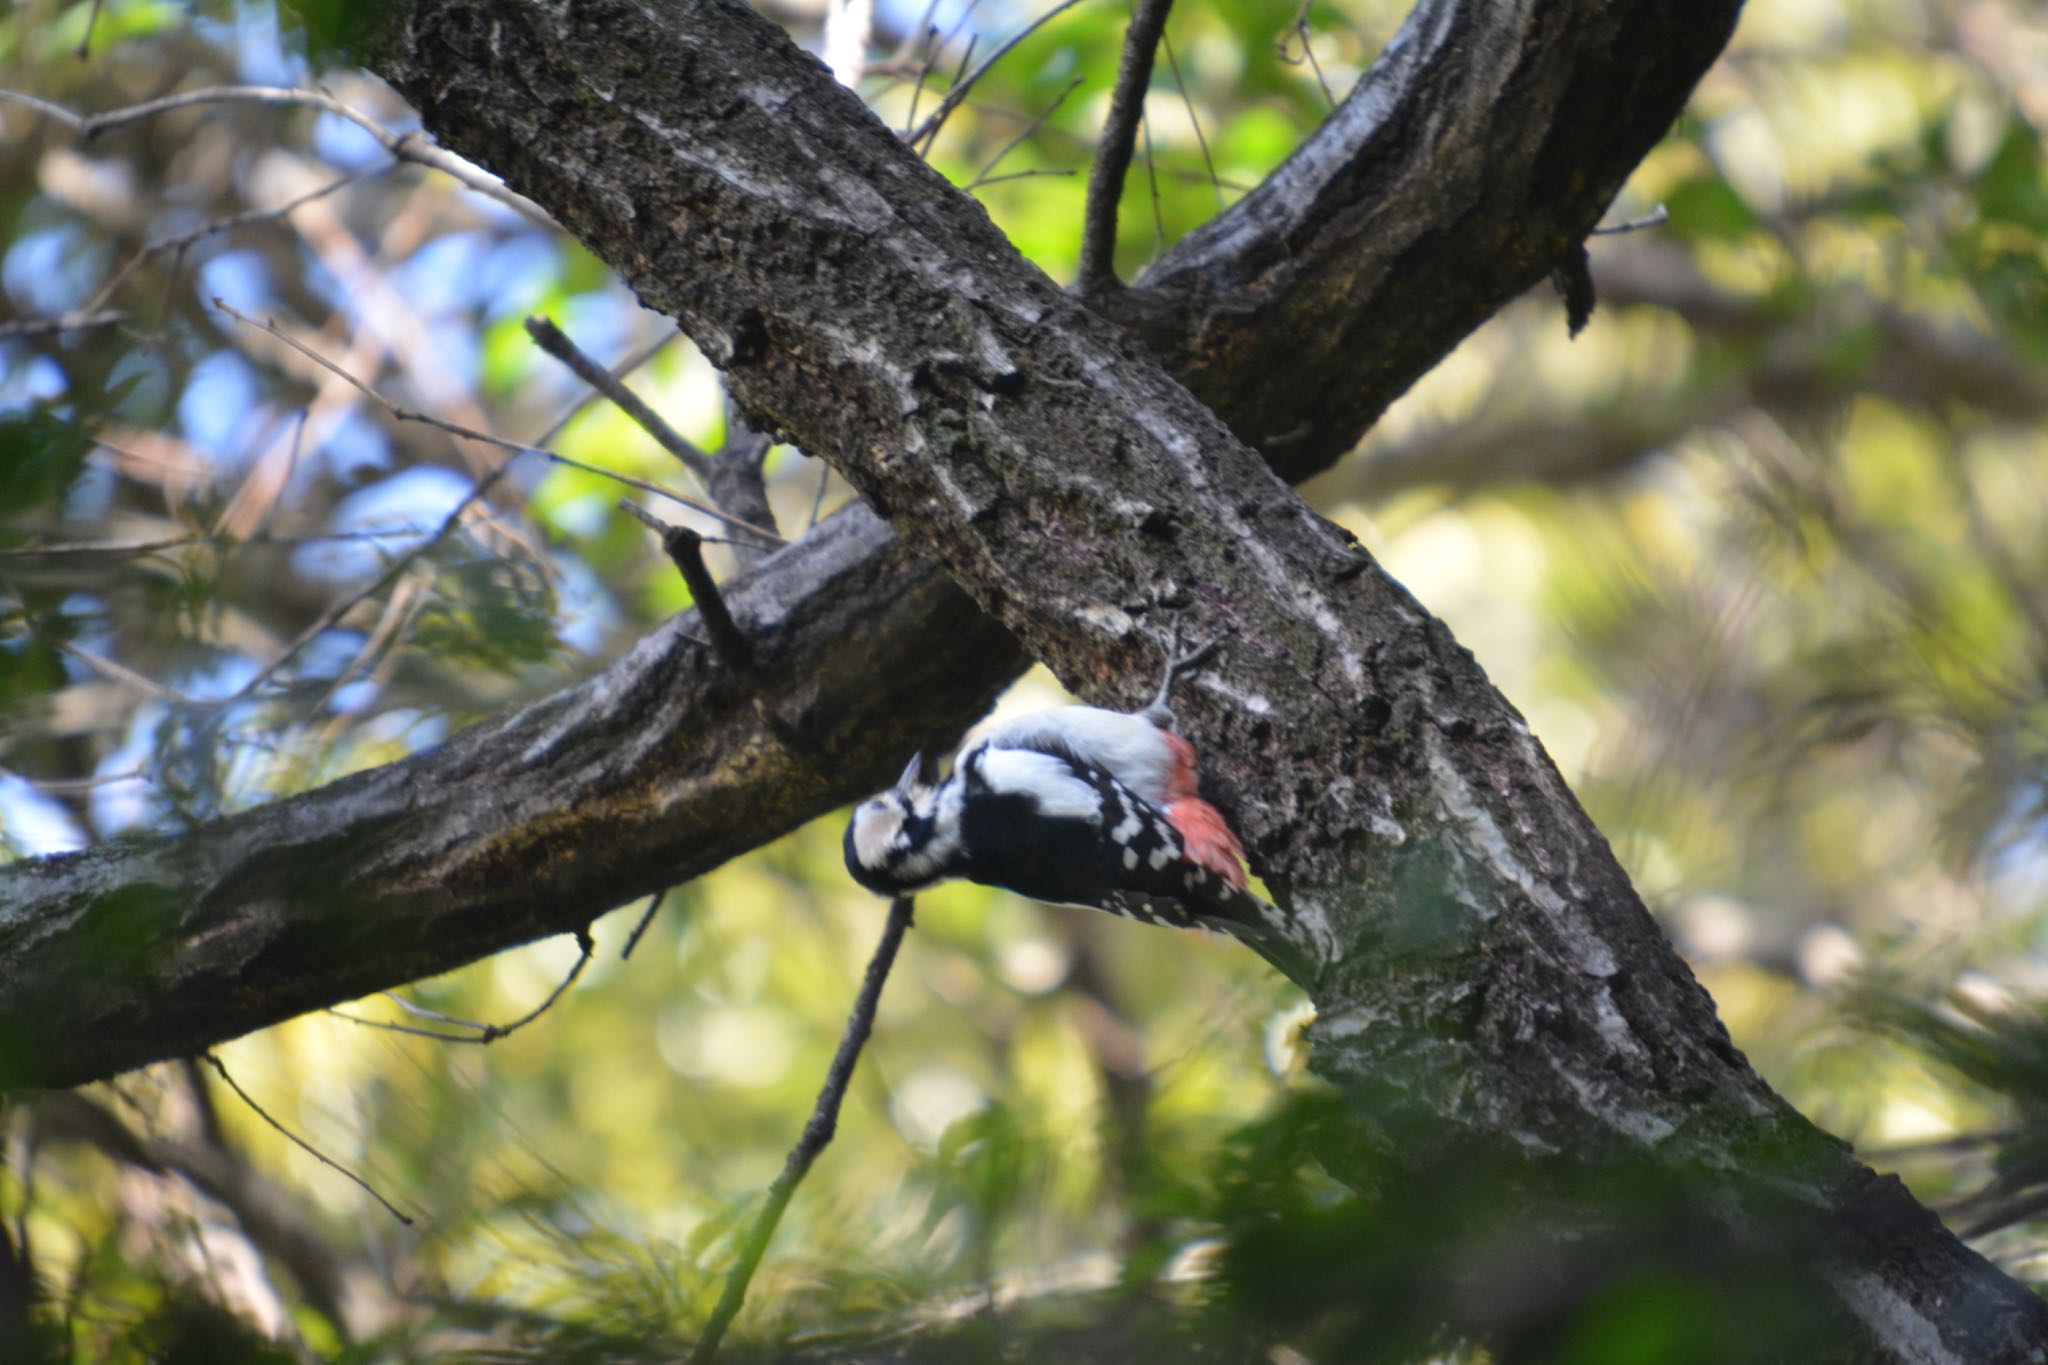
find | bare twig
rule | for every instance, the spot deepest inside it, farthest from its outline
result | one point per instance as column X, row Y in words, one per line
column 61, row 786
column 619, row 371
column 929, row 129
column 1152, row 183
column 92, row 20
column 334, row 614
column 1016, row 175
column 1298, row 28
column 1656, row 217
column 913, row 37
column 1194, row 120
column 120, row 673
column 399, row 413
column 480, row 1034
column 654, row 903
column 401, row 609
column 985, row 175
column 64, row 322
column 818, row 498
column 966, row 56
column 1113, row 154
column 817, row 1132
column 556, row 343
column 412, row 147
column 685, row 547
column 132, row 549
column 302, row 1144
column 924, row 69
column 227, row 223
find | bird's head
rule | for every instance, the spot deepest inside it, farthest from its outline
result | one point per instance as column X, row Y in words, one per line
column 893, row 844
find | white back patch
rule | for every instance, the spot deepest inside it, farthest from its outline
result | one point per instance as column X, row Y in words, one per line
column 1050, row 784
column 1128, row 745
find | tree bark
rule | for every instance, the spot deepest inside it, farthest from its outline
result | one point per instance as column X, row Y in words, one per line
column 1483, row 971
column 149, row 948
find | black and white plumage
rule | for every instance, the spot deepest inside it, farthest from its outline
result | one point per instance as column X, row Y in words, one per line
column 1072, row 806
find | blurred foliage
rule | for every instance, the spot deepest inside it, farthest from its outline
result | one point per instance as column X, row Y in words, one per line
column 1763, row 555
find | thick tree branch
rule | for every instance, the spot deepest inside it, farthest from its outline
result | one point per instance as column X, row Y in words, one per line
column 653, row 772
column 1487, row 974
column 430, row 892
column 1493, row 136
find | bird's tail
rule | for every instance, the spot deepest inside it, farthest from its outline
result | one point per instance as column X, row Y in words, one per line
column 1208, row 838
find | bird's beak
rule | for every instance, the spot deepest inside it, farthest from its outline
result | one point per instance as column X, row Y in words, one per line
column 908, row 782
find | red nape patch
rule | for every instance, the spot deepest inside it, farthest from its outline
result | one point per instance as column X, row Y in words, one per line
column 1209, row 840
column 1180, row 782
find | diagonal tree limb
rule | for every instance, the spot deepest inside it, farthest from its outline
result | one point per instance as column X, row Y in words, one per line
column 653, row 772
column 1492, row 135
column 438, row 850
column 1486, row 972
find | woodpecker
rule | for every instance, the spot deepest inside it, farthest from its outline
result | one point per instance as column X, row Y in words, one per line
column 1076, row 805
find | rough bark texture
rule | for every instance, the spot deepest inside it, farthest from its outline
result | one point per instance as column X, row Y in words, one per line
column 213, row 967
column 1490, row 134
column 639, row 778
column 1484, row 972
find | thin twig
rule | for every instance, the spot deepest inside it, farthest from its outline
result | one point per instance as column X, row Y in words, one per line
column 332, row 617
column 1194, row 120
column 646, row 918
column 1308, row 53
column 228, row 223
column 411, row 147
column 966, row 56
column 401, row 609
column 960, row 24
column 304, row 1145
column 818, row 499
column 929, row 129
column 924, row 69
column 58, row 786
column 618, row 371
column 912, row 36
column 404, row 414
column 1656, row 217
column 984, row 176
column 131, row 549
column 1152, row 180
column 481, row 1034
column 817, row 1133
column 1016, row 175
column 92, row 20
column 556, row 343
column 1113, row 152
column 76, row 321
column 685, row 547
column 1298, row 28
column 121, row 673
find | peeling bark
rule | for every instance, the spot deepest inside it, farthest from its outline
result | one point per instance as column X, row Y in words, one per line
column 1484, row 972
